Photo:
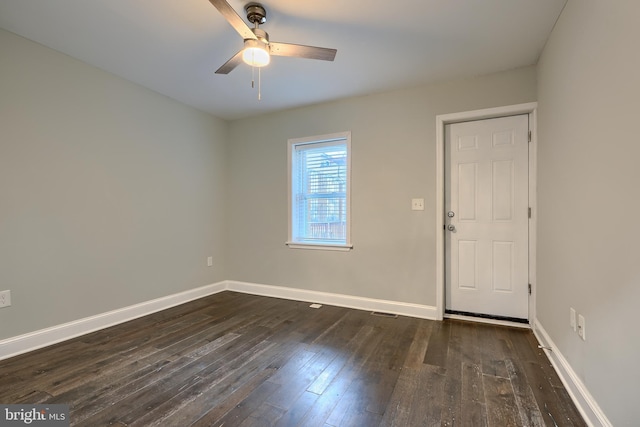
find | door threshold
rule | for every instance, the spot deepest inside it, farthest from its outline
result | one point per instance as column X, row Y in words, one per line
column 485, row 318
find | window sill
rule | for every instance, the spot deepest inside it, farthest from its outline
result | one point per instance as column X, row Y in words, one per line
column 319, row 246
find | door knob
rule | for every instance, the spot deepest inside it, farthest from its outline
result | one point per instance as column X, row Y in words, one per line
column 451, row 227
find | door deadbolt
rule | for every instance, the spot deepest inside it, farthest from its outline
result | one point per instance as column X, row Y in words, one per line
column 451, row 214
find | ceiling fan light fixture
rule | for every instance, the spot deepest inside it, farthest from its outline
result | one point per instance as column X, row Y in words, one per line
column 255, row 53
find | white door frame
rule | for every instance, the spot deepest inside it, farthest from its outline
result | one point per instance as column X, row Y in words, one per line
column 489, row 113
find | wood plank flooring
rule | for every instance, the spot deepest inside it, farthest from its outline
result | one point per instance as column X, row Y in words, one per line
column 243, row 360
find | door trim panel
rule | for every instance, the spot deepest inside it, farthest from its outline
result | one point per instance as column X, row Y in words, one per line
column 441, row 122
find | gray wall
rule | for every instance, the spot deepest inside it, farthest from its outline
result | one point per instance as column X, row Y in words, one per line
column 110, row 194
column 393, row 160
column 588, row 192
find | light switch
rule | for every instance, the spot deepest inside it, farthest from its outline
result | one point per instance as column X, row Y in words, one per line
column 582, row 332
column 417, row 204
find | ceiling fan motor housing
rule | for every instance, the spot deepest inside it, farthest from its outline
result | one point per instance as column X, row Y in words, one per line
column 263, row 36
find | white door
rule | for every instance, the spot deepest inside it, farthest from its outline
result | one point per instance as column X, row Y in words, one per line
column 487, row 217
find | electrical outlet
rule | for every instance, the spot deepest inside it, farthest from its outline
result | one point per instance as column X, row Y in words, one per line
column 417, row 204
column 5, row 299
column 582, row 332
column 210, row 261
column 572, row 318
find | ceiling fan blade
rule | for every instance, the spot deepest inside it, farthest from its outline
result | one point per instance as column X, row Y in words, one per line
column 234, row 19
column 301, row 51
column 228, row 66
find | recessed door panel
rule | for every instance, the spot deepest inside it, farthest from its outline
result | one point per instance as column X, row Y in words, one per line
column 503, row 138
column 467, row 142
column 502, row 190
column 502, row 266
column 467, row 264
column 467, row 191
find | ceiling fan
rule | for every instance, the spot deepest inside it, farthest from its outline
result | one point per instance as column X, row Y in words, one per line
column 258, row 49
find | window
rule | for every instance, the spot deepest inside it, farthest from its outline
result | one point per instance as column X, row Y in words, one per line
column 319, row 181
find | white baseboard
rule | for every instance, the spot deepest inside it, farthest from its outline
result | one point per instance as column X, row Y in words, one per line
column 585, row 403
column 44, row 337
column 341, row 300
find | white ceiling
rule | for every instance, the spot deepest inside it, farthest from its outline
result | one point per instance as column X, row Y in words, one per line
column 175, row 46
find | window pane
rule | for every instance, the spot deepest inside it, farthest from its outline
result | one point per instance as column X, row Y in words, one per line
column 319, row 193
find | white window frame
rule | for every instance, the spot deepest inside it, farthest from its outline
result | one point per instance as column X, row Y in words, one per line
column 342, row 137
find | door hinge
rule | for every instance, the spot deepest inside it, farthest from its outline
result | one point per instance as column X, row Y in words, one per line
column 529, row 288
column 529, row 211
column 529, row 136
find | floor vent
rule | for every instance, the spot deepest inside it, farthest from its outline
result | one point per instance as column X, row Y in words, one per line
column 381, row 314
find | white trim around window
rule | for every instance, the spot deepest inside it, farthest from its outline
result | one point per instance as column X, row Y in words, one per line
column 319, row 192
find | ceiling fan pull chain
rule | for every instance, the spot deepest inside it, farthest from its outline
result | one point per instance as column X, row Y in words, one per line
column 253, row 69
column 259, row 84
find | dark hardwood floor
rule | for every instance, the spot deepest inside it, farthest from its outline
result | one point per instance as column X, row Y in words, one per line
column 242, row 360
